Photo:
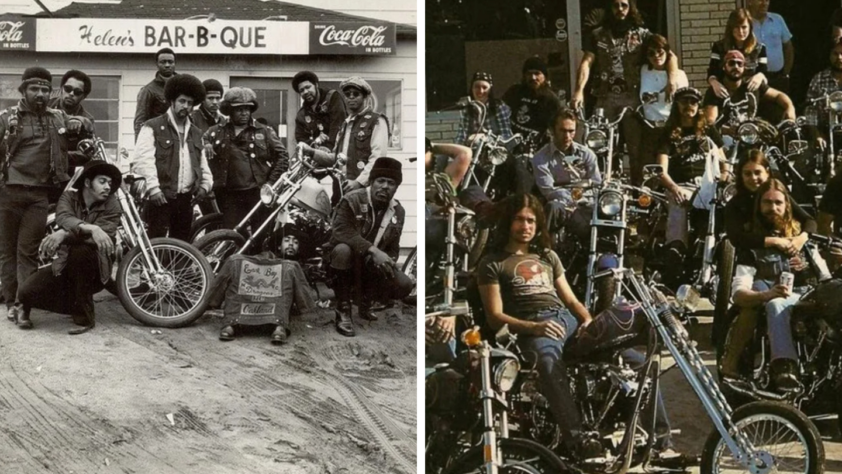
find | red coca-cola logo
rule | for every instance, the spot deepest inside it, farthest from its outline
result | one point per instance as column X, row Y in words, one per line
column 363, row 36
column 10, row 31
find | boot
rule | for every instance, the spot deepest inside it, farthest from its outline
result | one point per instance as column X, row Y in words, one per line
column 365, row 310
column 739, row 335
column 342, row 287
column 783, row 373
column 22, row 317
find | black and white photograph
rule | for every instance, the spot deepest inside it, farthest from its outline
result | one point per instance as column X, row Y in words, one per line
column 208, row 232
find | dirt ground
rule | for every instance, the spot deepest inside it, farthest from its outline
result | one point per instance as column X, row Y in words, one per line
column 125, row 398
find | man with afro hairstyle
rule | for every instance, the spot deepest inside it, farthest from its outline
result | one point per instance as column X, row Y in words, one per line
column 321, row 115
column 168, row 153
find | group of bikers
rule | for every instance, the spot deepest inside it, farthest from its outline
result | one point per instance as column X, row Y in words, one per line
column 195, row 141
column 522, row 281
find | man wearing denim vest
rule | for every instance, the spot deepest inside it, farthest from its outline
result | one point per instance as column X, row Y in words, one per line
column 33, row 161
column 363, row 138
column 168, row 153
column 366, row 242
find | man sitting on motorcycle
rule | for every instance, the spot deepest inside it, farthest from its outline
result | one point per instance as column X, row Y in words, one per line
column 824, row 83
column 560, row 162
column 366, row 237
column 758, row 279
column 682, row 157
column 522, row 285
column 741, row 104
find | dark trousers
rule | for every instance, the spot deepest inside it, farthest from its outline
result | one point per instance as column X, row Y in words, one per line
column 235, row 206
column 23, row 221
column 72, row 291
column 176, row 216
column 368, row 281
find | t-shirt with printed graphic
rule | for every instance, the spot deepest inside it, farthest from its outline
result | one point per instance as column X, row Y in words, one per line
column 527, row 282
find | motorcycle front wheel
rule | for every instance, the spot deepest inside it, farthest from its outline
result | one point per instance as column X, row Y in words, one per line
column 775, row 428
column 218, row 245
column 205, row 225
column 172, row 298
column 520, row 456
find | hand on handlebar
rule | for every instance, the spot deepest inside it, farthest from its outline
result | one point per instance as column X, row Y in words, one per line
column 577, row 100
column 821, row 144
column 441, row 331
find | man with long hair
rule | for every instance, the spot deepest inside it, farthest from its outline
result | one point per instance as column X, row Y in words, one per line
column 612, row 56
column 682, row 159
column 757, row 283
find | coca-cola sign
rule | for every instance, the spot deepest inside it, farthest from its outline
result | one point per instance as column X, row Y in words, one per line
column 364, row 38
column 17, row 34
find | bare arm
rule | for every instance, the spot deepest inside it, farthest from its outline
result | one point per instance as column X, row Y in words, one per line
column 582, row 76
column 711, row 113
column 783, row 101
column 493, row 304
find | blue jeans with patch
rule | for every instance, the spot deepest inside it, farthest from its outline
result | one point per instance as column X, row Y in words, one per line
column 546, row 353
column 778, row 314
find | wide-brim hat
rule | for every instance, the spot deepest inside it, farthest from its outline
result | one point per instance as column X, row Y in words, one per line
column 96, row 168
column 238, row 97
column 386, row 167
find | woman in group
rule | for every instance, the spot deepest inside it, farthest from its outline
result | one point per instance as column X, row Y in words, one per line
column 752, row 171
column 498, row 114
column 739, row 35
column 656, row 104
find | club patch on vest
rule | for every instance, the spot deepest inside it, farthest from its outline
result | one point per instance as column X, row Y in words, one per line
column 260, row 280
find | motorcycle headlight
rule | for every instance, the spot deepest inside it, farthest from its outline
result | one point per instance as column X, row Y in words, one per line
column 138, row 189
column 497, row 156
column 729, row 192
column 267, row 195
column 687, row 297
column 748, row 133
column 795, row 147
column 505, row 374
column 835, row 102
column 596, row 139
column 610, row 204
column 465, row 230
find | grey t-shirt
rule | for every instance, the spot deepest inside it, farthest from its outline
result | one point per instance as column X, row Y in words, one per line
column 527, row 282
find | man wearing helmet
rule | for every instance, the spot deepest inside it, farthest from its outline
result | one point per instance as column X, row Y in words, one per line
column 363, row 137
column 244, row 155
column 168, row 153
column 322, row 113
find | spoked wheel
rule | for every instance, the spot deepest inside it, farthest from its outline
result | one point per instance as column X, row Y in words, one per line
column 781, row 431
column 218, row 246
column 174, row 297
column 520, row 456
column 205, row 225
column 410, row 269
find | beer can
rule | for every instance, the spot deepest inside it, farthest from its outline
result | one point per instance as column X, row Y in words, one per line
column 787, row 279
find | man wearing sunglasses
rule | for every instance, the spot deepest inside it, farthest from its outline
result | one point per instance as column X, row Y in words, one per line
column 75, row 87
column 740, row 104
column 363, row 137
column 612, row 56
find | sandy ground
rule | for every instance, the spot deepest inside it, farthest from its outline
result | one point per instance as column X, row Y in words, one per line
column 125, row 398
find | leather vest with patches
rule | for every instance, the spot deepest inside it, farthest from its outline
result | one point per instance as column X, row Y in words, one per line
column 617, row 70
column 359, row 146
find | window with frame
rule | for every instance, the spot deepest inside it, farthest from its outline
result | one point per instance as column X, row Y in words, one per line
column 103, row 103
column 385, row 99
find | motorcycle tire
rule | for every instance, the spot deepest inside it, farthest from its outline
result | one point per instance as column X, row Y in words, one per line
column 410, row 269
column 767, row 415
column 520, row 456
column 218, row 245
column 180, row 296
column 205, row 225
column 604, row 289
column 725, row 270
column 477, row 248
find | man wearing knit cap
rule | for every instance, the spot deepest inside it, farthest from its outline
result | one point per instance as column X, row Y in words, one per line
column 322, row 113
column 532, row 101
column 168, row 153
column 151, row 100
column 33, row 161
column 207, row 113
column 363, row 137
column 366, row 238
column 244, row 155
column 743, row 104
column 612, row 56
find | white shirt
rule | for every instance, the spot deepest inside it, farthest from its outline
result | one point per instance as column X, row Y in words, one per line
column 654, row 81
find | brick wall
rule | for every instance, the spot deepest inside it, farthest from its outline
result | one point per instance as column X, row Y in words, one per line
column 441, row 126
column 702, row 23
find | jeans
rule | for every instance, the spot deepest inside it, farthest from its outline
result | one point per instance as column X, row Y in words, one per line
column 677, row 229
column 23, row 223
column 235, row 206
column 176, row 216
column 778, row 314
column 552, row 372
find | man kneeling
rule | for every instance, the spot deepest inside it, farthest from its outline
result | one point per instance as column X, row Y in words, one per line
column 366, row 237
column 87, row 217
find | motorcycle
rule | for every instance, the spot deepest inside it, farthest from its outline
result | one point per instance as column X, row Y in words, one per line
column 161, row 282
column 602, row 137
column 467, row 429
column 829, row 105
column 299, row 196
column 612, row 398
column 815, row 327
